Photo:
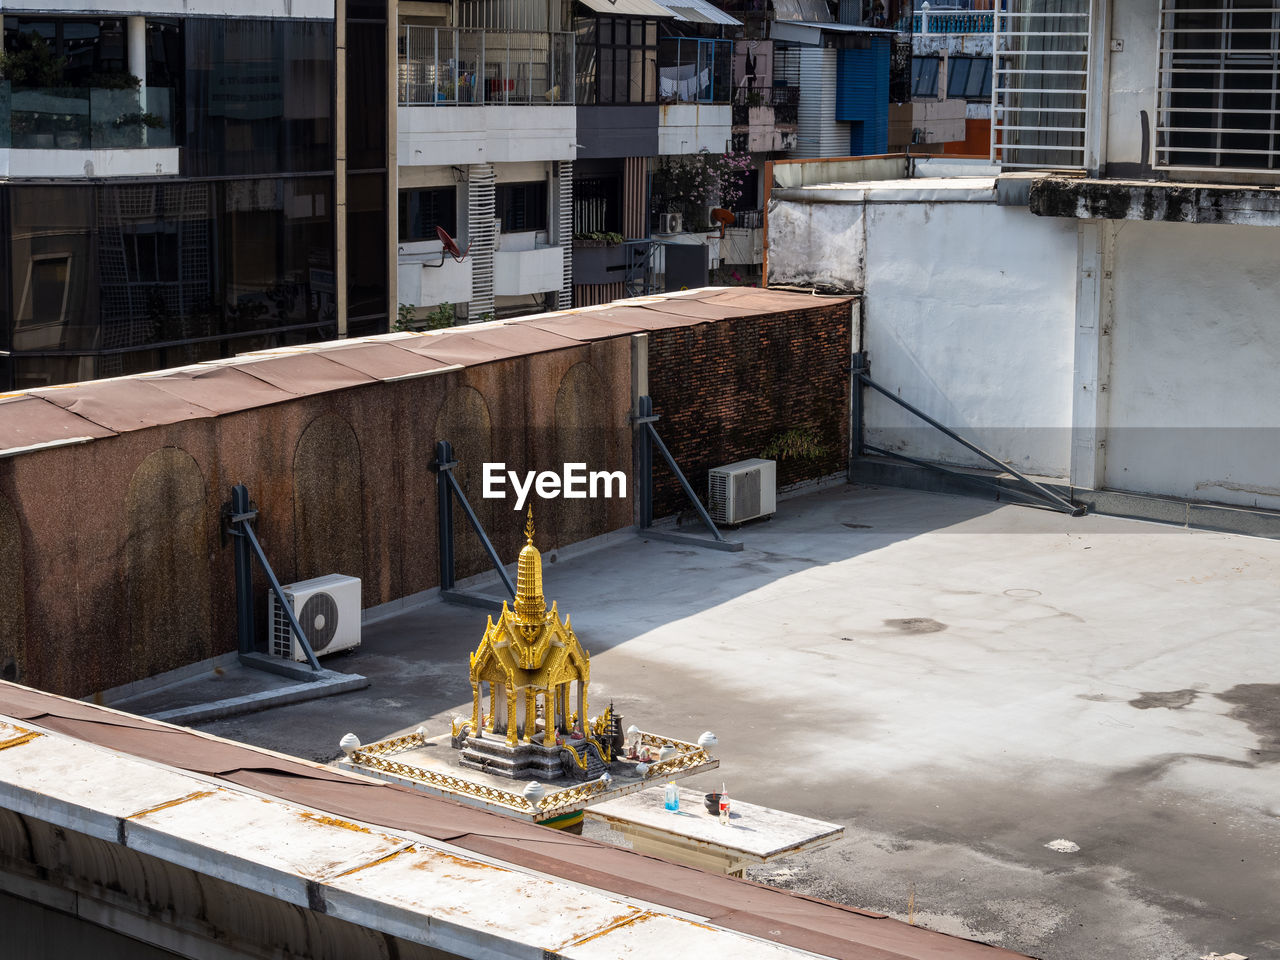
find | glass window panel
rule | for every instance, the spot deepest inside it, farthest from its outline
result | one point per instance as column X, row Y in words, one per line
column 522, row 206
column 366, row 97
column 924, row 76
column 421, row 211
column 241, row 74
column 637, row 76
column 366, row 259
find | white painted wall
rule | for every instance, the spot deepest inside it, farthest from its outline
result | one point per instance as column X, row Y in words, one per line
column 969, row 315
column 1132, row 79
column 78, row 164
column 817, row 244
column 1194, row 391
column 423, row 286
column 431, row 136
column 968, row 311
column 691, row 127
column 527, row 271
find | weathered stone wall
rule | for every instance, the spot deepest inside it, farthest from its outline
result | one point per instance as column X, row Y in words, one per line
column 112, row 564
column 729, row 390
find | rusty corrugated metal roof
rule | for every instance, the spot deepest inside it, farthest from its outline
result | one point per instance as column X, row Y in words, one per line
column 102, row 408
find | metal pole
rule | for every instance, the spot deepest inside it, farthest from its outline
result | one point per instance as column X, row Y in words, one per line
column 1067, row 505
column 858, row 369
column 697, row 504
column 475, row 525
column 280, row 598
column 444, row 511
column 644, row 463
column 241, row 509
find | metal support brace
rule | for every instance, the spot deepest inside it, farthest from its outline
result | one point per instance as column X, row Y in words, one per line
column 858, row 368
column 239, row 515
column 1041, row 493
column 648, row 436
column 446, row 489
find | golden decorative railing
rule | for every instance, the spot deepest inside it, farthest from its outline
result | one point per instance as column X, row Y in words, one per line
column 377, row 756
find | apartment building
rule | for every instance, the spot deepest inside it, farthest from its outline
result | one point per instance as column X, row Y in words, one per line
column 1102, row 311
column 175, row 185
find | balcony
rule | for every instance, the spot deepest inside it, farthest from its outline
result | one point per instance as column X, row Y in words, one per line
column 525, row 264
column 953, row 21
column 694, row 70
column 427, row 276
column 492, row 77
column 448, row 66
column 82, row 131
column 764, row 118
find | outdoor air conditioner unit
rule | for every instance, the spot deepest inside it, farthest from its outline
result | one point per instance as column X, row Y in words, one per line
column 328, row 610
column 670, row 222
column 742, row 491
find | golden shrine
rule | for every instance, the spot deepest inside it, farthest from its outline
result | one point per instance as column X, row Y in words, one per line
column 529, row 670
column 529, row 721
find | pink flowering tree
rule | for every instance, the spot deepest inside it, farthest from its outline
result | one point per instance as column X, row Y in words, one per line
column 692, row 183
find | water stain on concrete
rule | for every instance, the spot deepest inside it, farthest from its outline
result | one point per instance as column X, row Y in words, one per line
column 856, row 526
column 1166, row 699
column 1157, row 767
column 1257, row 706
column 916, row 625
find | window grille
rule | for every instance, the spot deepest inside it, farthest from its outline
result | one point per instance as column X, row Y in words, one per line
column 1041, row 84
column 1219, row 85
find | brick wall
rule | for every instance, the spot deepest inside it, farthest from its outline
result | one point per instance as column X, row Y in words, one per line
column 726, row 391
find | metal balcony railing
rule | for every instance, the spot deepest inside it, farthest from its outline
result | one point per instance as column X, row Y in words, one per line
column 785, row 102
column 450, row 66
column 953, row 21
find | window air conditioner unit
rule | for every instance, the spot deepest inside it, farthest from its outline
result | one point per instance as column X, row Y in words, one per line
column 670, row 222
column 742, row 491
column 328, row 610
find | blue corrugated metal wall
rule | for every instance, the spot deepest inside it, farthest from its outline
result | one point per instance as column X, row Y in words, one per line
column 862, row 96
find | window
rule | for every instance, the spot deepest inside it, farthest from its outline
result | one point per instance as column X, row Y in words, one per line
column 695, row 70
column 924, row 76
column 522, row 206
column 421, row 211
column 1041, row 80
column 45, row 298
column 151, row 252
column 597, row 204
column 1219, row 85
column 617, row 60
column 969, row 78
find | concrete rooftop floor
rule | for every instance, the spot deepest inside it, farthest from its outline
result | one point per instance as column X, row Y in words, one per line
column 958, row 682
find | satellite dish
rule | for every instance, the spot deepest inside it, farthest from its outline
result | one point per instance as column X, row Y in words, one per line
column 724, row 218
column 450, row 247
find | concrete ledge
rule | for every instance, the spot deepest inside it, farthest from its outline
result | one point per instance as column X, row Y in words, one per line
column 118, row 696
column 989, row 485
column 1056, row 196
column 326, row 684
